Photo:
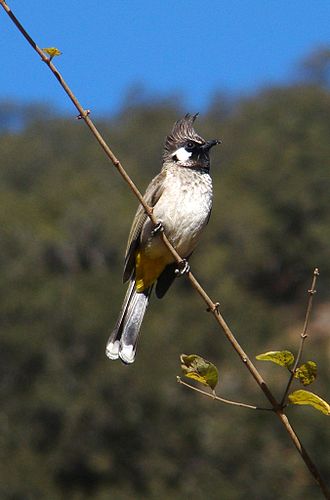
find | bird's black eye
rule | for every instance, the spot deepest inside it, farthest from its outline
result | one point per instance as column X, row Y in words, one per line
column 190, row 145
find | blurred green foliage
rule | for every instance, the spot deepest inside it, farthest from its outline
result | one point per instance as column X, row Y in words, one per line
column 75, row 425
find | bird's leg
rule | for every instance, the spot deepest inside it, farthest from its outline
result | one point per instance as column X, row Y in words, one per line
column 183, row 268
column 158, row 228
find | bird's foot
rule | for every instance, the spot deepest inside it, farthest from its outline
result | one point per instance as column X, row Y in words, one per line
column 158, row 228
column 183, row 268
column 214, row 308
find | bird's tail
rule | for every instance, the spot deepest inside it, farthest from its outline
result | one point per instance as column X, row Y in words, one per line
column 122, row 342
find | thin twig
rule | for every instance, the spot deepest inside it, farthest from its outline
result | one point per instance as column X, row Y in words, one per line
column 218, row 398
column 84, row 115
column 303, row 335
column 212, row 306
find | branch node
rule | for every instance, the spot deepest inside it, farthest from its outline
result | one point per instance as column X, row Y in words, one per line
column 83, row 115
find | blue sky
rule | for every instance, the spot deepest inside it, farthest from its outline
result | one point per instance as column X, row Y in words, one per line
column 190, row 48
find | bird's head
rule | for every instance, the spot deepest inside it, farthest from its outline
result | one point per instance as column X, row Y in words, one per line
column 185, row 147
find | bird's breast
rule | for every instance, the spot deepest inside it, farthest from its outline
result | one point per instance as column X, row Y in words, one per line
column 184, row 209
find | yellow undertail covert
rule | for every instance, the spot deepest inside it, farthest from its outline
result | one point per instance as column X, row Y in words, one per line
column 147, row 270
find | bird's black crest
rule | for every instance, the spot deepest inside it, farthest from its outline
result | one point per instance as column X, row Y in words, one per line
column 182, row 131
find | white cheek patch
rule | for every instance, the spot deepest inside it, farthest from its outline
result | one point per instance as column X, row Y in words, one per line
column 182, row 155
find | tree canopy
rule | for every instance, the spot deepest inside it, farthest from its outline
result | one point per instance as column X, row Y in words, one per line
column 75, row 425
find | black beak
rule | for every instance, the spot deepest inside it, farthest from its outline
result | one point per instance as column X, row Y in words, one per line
column 209, row 144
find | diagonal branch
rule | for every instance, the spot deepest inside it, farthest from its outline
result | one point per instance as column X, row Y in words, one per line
column 211, row 305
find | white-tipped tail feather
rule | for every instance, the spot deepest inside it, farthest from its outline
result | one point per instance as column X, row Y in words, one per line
column 112, row 349
column 122, row 342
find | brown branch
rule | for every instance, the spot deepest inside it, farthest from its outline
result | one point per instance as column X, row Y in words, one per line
column 84, row 115
column 218, row 398
column 212, row 306
column 303, row 335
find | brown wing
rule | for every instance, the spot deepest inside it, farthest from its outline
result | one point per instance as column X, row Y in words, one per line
column 151, row 196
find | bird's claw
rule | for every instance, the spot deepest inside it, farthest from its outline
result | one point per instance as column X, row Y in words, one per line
column 158, row 228
column 214, row 308
column 183, row 268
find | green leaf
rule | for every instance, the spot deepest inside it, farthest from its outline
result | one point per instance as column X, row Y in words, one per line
column 303, row 397
column 306, row 373
column 282, row 358
column 198, row 368
column 52, row 51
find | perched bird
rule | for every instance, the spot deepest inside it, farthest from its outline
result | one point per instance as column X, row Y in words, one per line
column 181, row 197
